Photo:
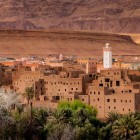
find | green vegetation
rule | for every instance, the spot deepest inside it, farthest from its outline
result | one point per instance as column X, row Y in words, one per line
column 70, row 121
column 29, row 94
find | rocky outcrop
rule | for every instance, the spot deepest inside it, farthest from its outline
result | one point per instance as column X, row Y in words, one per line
column 98, row 15
column 19, row 24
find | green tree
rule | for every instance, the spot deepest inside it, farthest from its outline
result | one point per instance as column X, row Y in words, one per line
column 77, row 104
column 29, row 94
column 113, row 116
column 126, row 127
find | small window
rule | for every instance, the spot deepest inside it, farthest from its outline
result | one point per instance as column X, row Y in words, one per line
column 129, row 110
column 117, row 83
column 108, row 100
column 107, row 80
column 45, row 98
column 126, row 101
column 121, row 101
column 98, row 93
column 98, row 99
column 82, row 99
column 130, row 101
column 109, row 107
column 101, row 85
column 114, row 100
column 114, row 107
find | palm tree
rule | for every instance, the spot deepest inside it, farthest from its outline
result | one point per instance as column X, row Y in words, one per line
column 29, row 94
column 112, row 117
column 126, row 127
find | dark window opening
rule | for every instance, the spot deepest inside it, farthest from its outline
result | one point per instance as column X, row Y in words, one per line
column 114, row 100
column 110, row 83
column 90, row 75
column 101, row 85
column 108, row 100
column 117, row 83
column 45, row 98
column 107, row 80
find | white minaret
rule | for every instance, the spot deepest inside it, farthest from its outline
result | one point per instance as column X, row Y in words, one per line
column 107, row 56
column 61, row 57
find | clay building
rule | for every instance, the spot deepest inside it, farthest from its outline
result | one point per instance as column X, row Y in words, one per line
column 24, row 77
column 88, row 65
column 67, row 85
column 115, row 90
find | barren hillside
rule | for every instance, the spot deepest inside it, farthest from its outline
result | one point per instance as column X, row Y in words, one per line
column 81, row 43
column 121, row 16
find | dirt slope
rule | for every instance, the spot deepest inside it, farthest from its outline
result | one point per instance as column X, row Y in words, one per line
column 81, row 43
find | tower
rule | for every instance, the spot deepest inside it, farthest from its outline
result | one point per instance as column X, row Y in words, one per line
column 107, row 56
column 61, row 57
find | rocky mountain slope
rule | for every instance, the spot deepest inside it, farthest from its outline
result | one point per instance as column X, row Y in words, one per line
column 98, row 15
column 80, row 43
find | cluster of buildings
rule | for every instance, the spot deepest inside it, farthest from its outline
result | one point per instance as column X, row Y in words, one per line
column 107, row 84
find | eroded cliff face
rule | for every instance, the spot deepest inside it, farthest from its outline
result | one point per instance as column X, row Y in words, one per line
column 98, row 15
